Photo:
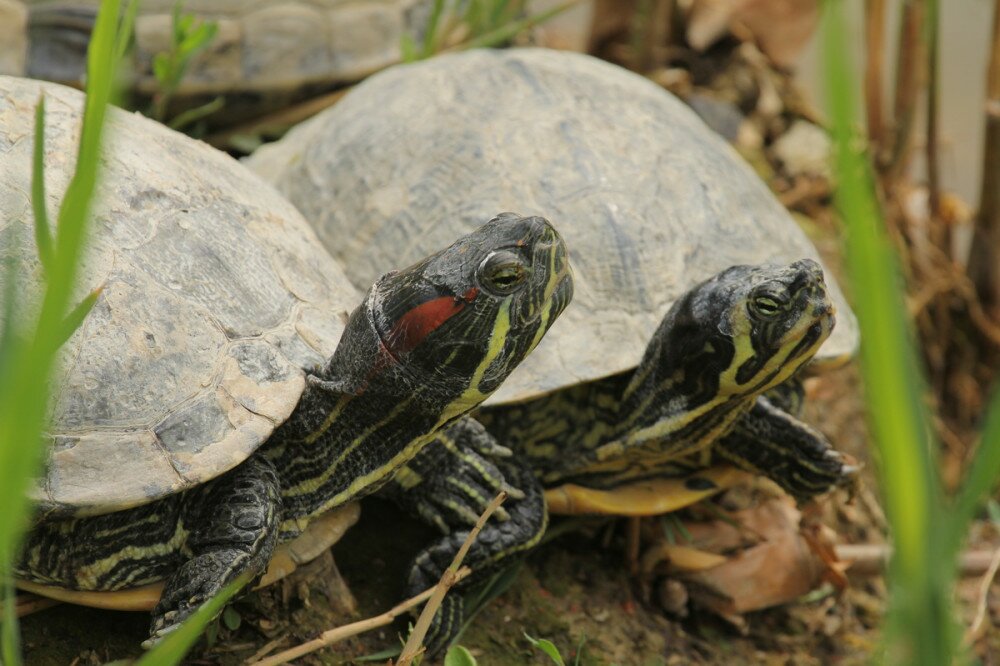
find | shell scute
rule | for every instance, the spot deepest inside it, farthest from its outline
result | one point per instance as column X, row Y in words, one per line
column 176, row 375
column 649, row 200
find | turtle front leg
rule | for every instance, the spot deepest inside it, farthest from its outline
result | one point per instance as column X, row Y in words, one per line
column 454, row 477
column 233, row 523
column 497, row 546
column 771, row 442
column 448, row 485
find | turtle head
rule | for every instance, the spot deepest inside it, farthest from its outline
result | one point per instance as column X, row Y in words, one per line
column 459, row 321
column 726, row 341
column 771, row 318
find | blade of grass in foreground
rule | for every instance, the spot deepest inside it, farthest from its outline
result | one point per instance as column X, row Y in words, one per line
column 172, row 649
column 920, row 627
column 30, row 345
column 983, row 474
column 10, row 644
column 25, row 382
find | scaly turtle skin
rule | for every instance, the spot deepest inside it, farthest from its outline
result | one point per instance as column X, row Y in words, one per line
column 193, row 251
column 653, row 204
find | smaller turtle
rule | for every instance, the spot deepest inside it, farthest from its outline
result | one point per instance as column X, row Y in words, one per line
column 645, row 441
column 218, row 400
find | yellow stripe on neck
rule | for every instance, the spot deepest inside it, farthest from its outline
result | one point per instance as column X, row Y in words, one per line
column 471, row 397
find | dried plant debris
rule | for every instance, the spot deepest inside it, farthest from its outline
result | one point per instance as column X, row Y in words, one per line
column 748, row 560
column 781, row 29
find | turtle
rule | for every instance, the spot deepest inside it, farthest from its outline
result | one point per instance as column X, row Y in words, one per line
column 667, row 223
column 265, row 53
column 230, row 386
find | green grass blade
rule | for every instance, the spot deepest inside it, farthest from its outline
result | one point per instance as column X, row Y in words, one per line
column 919, row 626
column 380, row 656
column 501, row 11
column 579, row 650
column 548, row 647
column 982, row 476
column 125, row 31
column 177, row 27
column 408, row 48
column 75, row 318
column 10, row 643
column 507, row 32
column 430, row 32
column 887, row 354
column 30, row 347
column 9, row 340
column 459, row 656
column 171, row 650
column 192, row 116
column 43, row 237
column 22, row 408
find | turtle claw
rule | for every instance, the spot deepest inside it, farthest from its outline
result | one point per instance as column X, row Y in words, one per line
column 155, row 637
column 849, row 471
column 512, row 492
column 849, row 467
column 490, row 448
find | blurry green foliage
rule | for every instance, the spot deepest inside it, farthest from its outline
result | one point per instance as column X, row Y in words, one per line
column 927, row 527
column 472, row 24
column 32, row 333
column 189, row 37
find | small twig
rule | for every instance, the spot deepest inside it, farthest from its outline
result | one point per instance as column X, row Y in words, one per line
column 227, row 648
column 267, row 649
column 874, row 63
column 26, row 604
column 655, row 33
column 979, row 623
column 872, row 558
column 909, row 74
column 939, row 232
column 338, row 634
column 414, row 644
column 982, row 266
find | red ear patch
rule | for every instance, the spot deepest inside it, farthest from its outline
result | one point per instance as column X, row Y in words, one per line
column 411, row 329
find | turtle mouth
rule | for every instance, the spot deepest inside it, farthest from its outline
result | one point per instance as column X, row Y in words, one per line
column 819, row 330
column 557, row 291
column 563, row 293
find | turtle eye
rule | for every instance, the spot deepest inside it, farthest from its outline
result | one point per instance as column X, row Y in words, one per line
column 502, row 272
column 766, row 306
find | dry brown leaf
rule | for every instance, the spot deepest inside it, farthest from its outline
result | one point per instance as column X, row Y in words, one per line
column 820, row 540
column 782, row 567
column 782, row 28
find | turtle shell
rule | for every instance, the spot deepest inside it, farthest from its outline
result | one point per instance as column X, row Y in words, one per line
column 261, row 46
column 649, row 199
column 215, row 296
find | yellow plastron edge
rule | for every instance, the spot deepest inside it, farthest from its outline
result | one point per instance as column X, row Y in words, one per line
column 323, row 532
column 644, row 498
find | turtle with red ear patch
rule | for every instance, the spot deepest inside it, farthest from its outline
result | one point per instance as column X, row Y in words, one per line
column 426, row 345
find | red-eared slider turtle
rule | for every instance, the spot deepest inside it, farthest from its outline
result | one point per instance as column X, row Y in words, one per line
column 263, row 50
column 219, row 397
column 646, row 374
